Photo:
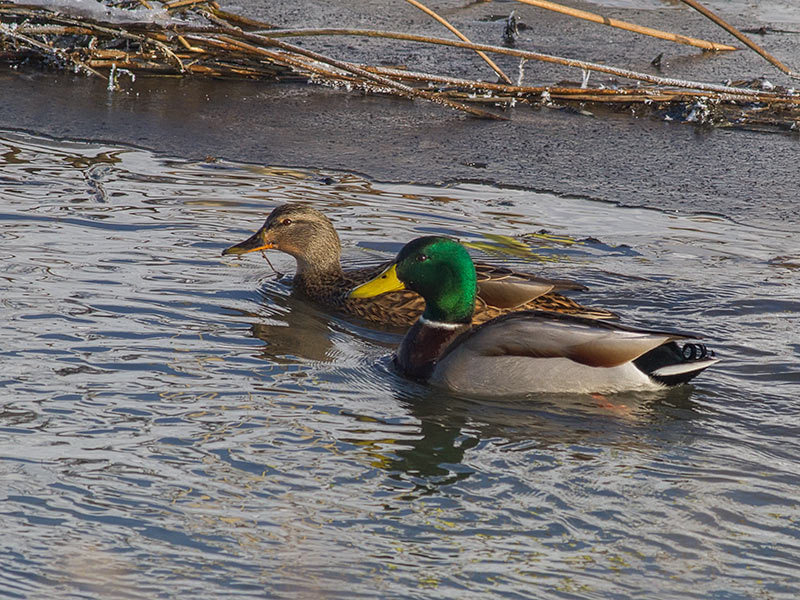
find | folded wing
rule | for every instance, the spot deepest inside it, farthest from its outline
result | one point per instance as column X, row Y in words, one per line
column 507, row 289
column 538, row 334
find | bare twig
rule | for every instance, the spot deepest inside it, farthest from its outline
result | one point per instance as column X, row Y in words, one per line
column 741, row 37
column 664, row 35
column 460, row 36
column 182, row 4
column 581, row 93
column 238, row 19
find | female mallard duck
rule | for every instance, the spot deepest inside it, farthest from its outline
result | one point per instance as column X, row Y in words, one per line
column 309, row 236
column 521, row 352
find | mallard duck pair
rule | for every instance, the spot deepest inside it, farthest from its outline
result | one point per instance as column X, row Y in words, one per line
column 308, row 236
column 478, row 330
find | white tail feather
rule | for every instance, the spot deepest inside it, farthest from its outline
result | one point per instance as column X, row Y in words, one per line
column 687, row 367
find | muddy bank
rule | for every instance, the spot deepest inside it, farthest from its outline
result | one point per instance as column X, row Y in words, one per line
column 747, row 176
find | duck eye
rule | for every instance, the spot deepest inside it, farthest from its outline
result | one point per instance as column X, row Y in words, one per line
column 422, row 257
column 286, row 222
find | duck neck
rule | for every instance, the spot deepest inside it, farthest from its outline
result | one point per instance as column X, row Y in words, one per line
column 311, row 272
column 424, row 344
column 319, row 262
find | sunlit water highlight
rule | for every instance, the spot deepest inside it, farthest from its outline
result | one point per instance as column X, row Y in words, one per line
column 175, row 424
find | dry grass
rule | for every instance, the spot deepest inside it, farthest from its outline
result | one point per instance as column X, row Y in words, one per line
column 202, row 40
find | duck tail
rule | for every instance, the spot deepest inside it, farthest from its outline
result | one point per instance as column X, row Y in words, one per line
column 671, row 364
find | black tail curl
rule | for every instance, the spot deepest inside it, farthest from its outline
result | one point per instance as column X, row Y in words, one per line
column 692, row 352
column 672, row 354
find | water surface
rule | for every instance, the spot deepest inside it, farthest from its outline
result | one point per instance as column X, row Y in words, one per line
column 175, row 423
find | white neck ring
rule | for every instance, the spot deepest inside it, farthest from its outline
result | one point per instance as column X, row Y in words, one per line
column 439, row 324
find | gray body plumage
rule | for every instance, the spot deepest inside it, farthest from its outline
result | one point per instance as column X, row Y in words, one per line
column 538, row 352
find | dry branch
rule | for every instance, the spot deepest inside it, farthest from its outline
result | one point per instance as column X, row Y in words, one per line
column 524, row 54
column 48, row 50
column 347, row 67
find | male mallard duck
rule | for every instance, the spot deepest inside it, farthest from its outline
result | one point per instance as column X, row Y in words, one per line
column 309, row 236
column 521, row 352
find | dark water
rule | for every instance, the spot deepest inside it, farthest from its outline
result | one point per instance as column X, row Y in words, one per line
column 174, row 424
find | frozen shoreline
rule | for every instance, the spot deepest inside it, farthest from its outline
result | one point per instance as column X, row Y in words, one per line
column 745, row 176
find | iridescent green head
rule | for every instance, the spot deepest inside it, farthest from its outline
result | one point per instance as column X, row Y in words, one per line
column 440, row 270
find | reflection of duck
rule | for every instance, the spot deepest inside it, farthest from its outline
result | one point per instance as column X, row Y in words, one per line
column 435, row 453
column 309, row 236
column 521, row 352
column 292, row 330
column 301, row 332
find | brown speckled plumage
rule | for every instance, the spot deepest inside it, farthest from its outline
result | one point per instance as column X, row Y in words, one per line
column 308, row 235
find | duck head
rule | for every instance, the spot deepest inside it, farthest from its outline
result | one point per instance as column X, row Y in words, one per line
column 298, row 230
column 439, row 269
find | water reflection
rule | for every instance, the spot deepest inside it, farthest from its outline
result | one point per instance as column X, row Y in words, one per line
column 187, row 422
column 432, row 452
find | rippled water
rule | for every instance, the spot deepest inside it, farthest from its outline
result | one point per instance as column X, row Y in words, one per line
column 175, row 424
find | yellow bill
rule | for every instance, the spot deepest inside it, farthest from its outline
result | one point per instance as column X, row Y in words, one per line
column 387, row 281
